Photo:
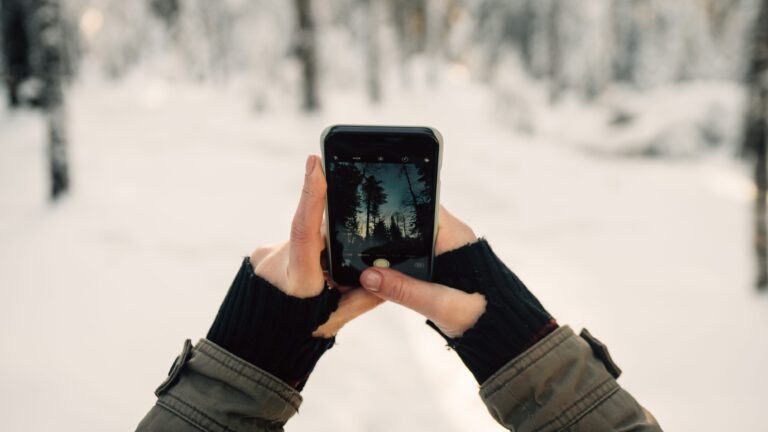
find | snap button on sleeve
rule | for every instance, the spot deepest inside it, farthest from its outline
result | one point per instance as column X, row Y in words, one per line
column 601, row 352
column 176, row 368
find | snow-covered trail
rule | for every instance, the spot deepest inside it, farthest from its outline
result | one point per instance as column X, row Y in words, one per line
column 174, row 183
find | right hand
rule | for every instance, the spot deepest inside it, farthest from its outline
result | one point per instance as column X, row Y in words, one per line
column 453, row 311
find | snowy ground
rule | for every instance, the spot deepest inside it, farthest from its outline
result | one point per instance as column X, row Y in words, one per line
column 174, row 183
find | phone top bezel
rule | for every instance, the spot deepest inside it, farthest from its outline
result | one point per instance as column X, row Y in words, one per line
column 419, row 132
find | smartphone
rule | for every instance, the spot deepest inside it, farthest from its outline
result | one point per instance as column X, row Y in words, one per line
column 382, row 199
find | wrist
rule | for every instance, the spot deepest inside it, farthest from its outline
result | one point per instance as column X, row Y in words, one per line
column 513, row 319
column 271, row 329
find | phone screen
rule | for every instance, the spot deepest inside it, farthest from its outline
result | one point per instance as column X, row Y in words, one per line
column 382, row 193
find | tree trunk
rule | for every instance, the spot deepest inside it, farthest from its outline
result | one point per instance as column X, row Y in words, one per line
column 50, row 39
column 554, row 42
column 15, row 39
column 373, row 51
column 434, row 37
column 417, row 220
column 626, row 40
column 755, row 137
column 58, row 160
column 307, row 53
column 367, row 218
column 410, row 187
column 409, row 19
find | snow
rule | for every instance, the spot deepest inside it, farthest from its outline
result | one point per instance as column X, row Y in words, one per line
column 175, row 181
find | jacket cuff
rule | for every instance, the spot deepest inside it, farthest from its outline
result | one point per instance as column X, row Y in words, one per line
column 207, row 384
column 271, row 329
column 549, row 386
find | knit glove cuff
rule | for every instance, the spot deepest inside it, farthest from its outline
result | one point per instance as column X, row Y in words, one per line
column 514, row 319
column 271, row 329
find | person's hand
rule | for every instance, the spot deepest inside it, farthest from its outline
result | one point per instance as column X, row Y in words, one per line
column 294, row 266
column 453, row 311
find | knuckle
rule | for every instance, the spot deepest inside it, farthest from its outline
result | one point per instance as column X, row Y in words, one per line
column 398, row 290
column 299, row 233
column 313, row 189
column 307, row 191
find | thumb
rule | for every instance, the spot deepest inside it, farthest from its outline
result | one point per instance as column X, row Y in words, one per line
column 306, row 241
column 452, row 310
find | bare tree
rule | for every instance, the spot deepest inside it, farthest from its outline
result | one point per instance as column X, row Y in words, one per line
column 409, row 19
column 49, row 59
column 14, row 35
column 372, row 49
column 555, row 45
column 755, row 136
column 307, row 52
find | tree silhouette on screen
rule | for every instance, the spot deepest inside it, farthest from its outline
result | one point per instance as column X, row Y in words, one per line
column 347, row 198
column 373, row 197
column 394, row 229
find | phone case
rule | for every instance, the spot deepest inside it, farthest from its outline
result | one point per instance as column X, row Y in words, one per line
column 381, row 128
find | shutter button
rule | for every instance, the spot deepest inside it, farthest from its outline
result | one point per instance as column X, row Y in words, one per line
column 381, row 262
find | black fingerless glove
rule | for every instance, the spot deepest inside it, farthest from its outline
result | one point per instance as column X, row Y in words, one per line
column 271, row 329
column 513, row 320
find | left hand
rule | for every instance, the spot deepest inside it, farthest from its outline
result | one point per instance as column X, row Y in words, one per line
column 294, row 266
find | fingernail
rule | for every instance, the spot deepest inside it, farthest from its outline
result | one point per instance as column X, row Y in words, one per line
column 310, row 164
column 371, row 280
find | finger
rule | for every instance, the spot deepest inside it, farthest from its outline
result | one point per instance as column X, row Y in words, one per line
column 306, row 241
column 351, row 305
column 453, row 311
column 429, row 299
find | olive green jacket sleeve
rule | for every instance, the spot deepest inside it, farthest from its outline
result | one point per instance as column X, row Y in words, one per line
column 209, row 389
column 559, row 384
column 563, row 383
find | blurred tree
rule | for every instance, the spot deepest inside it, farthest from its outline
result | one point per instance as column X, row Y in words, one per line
column 15, row 37
column 167, row 11
column 755, row 136
column 409, row 19
column 307, row 52
column 49, row 63
column 373, row 49
column 435, row 35
column 627, row 32
column 555, row 49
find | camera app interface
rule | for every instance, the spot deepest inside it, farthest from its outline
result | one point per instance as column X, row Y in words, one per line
column 382, row 214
